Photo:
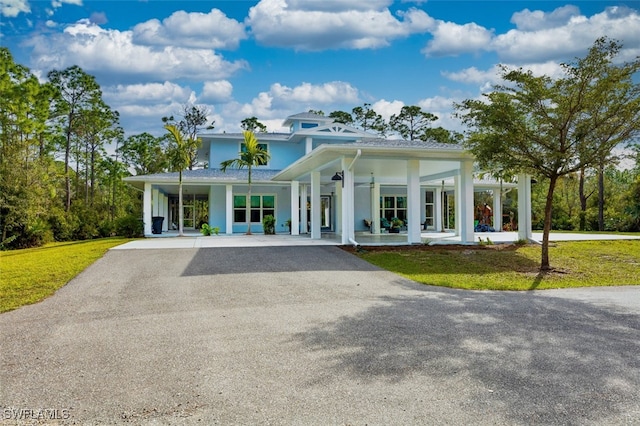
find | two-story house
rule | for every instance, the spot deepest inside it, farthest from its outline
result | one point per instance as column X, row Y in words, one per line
column 324, row 176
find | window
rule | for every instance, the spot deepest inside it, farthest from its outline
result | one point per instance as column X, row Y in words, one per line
column 393, row 206
column 309, row 125
column 429, row 209
column 259, row 207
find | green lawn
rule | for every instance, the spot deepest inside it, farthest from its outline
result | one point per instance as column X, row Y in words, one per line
column 30, row 275
column 509, row 267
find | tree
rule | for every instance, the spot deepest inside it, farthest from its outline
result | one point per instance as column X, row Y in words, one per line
column 252, row 154
column 27, row 187
column 194, row 118
column 145, row 153
column 369, row 120
column 546, row 127
column 179, row 155
column 412, row 122
column 342, row 117
column 251, row 124
column 76, row 91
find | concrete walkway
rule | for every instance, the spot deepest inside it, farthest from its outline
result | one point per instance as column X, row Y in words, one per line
column 194, row 240
column 311, row 335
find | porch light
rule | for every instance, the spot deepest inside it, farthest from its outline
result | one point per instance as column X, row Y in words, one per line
column 338, row 176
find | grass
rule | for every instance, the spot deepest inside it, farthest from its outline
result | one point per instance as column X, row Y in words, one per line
column 30, row 275
column 509, row 267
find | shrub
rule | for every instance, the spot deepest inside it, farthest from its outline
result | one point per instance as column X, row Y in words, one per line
column 269, row 224
column 130, row 226
column 207, row 230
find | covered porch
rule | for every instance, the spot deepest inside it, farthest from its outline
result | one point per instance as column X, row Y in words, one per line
column 363, row 175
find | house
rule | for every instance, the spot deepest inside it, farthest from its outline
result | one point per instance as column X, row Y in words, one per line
column 324, row 176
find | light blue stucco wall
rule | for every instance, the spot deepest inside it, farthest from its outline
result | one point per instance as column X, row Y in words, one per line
column 217, row 217
column 282, row 153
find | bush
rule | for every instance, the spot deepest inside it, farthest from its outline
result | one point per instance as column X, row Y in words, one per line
column 62, row 224
column 269, row 224
column 107, row 228
column 208, row 230
column 130, row 226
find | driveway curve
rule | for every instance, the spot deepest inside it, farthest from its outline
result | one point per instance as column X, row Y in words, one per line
column 312, row 335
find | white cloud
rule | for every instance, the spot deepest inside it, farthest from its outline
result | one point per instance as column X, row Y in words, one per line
column 452, row 39
column 273, row 106
column 310, row 94
column 12, row 8
column 527, row 20
column 58, row 3
column 333, row 6
column 570, row 39
column 491, row 76
column 386, row 109
column 473, row 75
column 106, row 53
column 211, row 30
column 331, row 25
column 147, row 94
column 216, row 91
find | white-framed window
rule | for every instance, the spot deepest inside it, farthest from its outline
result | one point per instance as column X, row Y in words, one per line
column 392, row 206
column 264, row 146
column 255, row 209
column 429, row 209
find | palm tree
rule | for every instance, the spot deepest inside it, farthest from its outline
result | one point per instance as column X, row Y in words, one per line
column 179, row 156
column 252, row 154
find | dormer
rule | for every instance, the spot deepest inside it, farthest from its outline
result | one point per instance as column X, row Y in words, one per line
column 305, row 120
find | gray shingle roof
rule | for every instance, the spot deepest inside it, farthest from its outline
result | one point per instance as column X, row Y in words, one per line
column 231, row 175
column 401, row 143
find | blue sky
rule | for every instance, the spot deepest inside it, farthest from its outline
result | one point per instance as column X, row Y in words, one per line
column 274, row 58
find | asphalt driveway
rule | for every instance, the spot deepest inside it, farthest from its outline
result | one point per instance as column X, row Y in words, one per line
column 312, row 335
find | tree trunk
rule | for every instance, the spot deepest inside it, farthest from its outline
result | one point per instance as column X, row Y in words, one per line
column 180, row 208
column 67, row 179
column 249, row 196
column 583, row 203
column 92, row 191
column 601, row 196
column 544, row 263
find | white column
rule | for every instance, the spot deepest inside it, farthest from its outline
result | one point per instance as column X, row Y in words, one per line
column 457, row 202
column 338, row 207
column 524, row 207
column 348, row 220
column 155, row 207
column 375, row 208
column 295, row 207
column 164, row 211
column 497, row 210
column 146, row 208
column 308, row 144
column 228, row 207
column 437, row 210
column 304, row 218
column 316, row 223
column 466, row 202
column 211, row 206
column 413, row 202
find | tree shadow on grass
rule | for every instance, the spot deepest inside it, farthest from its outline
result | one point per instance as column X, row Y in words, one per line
column 547, row 360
